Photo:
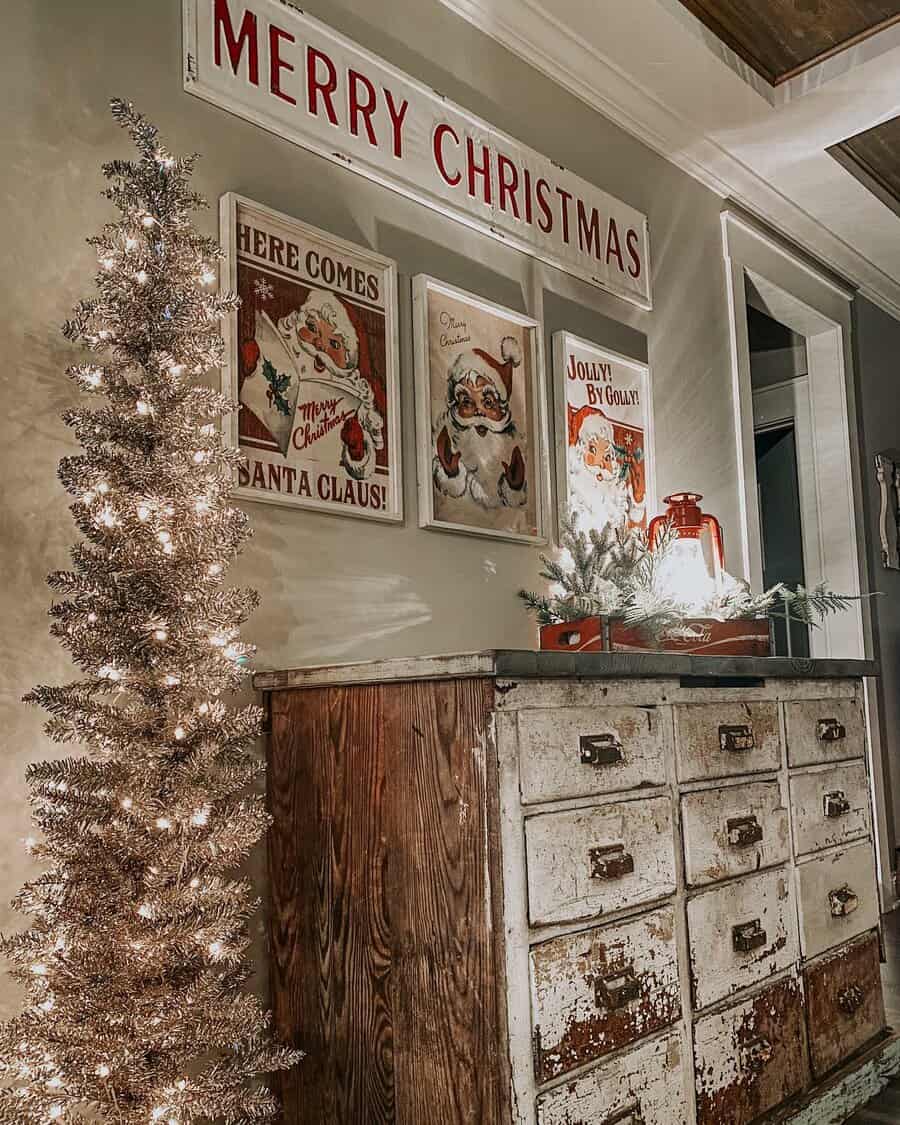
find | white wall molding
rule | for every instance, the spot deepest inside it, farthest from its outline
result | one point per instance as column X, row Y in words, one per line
column 529, row 30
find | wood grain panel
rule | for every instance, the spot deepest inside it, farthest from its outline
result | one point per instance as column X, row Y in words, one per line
column 383, row 946
column 782, row 38
column 873, row 157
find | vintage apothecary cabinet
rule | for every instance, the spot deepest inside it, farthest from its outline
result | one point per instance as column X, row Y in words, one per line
column 554, row 889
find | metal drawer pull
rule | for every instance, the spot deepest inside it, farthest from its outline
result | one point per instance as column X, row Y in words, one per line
column 830, row 730
column 600, row 750
column 843, row 901
column 736, row 738
column 836, row 804
column 743, row 831
column 616, row 991
column 611, row 862
column 757, row 1053
column 851, row 999
column 748, row 936
column 629, row 1116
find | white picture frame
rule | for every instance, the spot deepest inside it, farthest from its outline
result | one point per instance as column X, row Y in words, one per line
column 623, row 374
column 480, row 509
column 354, row 477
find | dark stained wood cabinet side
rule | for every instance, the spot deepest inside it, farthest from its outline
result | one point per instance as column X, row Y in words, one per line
column 386, row 904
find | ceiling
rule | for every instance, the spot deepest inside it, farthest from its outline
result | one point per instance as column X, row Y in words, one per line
column 782, row 38
column 802, row 150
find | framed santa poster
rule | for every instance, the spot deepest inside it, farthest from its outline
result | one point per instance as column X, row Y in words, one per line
column 481, row 416
column 605, row 423
column 311, row 358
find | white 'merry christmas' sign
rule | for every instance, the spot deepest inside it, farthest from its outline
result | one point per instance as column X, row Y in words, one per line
column 274, row 65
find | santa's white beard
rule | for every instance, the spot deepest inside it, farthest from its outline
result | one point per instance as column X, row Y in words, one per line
column 598, row 501
column 481, row 461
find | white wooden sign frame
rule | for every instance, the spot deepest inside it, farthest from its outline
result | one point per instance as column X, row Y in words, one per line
column 422, row 285
column 229, row 205
column 560, row 343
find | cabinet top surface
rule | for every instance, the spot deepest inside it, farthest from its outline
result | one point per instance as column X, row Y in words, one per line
column 524, row 664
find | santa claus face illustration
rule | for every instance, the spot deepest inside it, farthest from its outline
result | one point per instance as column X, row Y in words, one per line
column 321, row 329
column 598, row 454
column 596, row 483
column 475, row 401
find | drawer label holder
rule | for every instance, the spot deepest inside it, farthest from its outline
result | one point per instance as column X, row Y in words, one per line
column 830, row 730
column 600, row 750
column 743, row 831
column 611, row 862
column 736, row 738
column 748, row 936
column 836, row 804
column 843, row 901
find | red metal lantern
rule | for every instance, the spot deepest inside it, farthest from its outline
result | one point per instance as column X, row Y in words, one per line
column 692, row 573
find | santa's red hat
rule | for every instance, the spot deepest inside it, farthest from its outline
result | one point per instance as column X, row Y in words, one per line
column 499, row 372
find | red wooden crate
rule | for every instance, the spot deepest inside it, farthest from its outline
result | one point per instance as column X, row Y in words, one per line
column 697, row 636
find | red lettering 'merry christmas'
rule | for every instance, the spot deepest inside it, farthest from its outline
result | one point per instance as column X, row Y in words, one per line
column 307, row 77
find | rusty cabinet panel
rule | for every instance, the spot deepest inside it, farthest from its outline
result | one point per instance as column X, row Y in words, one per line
column 645, row 1086
column 597, row 991
column 721, row 739
column 844, row 1003
column 594, row 860
column 837, row 898
column 740, row 933
column 580, row 751
column 824, row 730
column 829, row 807
column 752, row 1057
column 733, row 831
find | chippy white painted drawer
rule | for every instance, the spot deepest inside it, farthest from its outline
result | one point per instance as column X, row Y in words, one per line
column 829, row 806
column 645, row 1086
column 824, row 730
column 752, row 1057
column 741, row 933
column 580, row 751
column 596, row 991
column 593, row 860
column 837, row 896
column 733, row 831
column 721, row 739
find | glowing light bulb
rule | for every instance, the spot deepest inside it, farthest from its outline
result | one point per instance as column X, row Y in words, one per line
column 47, row 1006
column 203, row 708
column 207, row 276
column 147, row 220
column 30, row 844
column 158, row 1112
column 180, row 733
column 126, row 803
column 200, row 817
column 171, row 680
column 104, row 333
column 103, row 1070
column 176, row 369
column 88, row 497
column 194, row 883
column 107, row 263
column 93, row 378
column 160, row 635
column 145, row 910
column 39, row 969
column 143, row 512
column 55, row 1082
column 109, row 672
column 181, row 1083
column 218, row 641
column 103, row 487
column 142, row 407
column 141, row 277
column 130, row 243
column 199, row 457
column 163, row 822
column 108, row 517
column 92, row 617
column 215, row 948
column 232, row 652
column 168, row 548
column 54, row 1112
column 208, row 430
column 214, row 568
column 164, row 537
column 201, row 506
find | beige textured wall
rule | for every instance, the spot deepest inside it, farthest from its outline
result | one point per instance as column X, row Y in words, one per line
column 333, row 589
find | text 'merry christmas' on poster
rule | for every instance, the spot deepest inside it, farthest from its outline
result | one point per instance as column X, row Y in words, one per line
column 276, row 66
column 312, row 352
column 608, row 466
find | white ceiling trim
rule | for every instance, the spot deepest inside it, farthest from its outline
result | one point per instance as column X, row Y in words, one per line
column 533, row 33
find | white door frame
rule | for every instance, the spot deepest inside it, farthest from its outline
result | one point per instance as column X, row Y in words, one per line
column 819, row 308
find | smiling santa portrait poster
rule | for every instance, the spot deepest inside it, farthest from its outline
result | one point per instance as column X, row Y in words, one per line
column 312, row 362
column 480, row 407
column 604, row 418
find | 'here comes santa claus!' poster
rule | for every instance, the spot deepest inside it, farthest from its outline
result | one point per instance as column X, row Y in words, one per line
column 312, row 363
column 607, row 474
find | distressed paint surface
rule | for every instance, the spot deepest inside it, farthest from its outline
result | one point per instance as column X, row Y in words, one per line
column 802, row 730
column 718, row 969
column 845, row 1007
column 854, row 868
column 711, row 852
column 572, row 1025
column 850, row 1088
column 699, row 751
column 550, row 745
column 813, row 829
column 647, row 1084
column 752, row 1057
column 558, row 859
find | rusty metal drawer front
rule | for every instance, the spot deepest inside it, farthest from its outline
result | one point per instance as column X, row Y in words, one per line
column 829, row 807
column 597, row 991
column 582, row 751
column 723, row 739
column 838, row 899
column 590, row 861
column 733, row 831
column 741, row 933
column 644, row 1086
column 824, row 730
column 752, row 1057
column 844, row 1003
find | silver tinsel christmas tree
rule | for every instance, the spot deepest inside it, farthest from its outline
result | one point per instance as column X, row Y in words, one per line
column 134, row 962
